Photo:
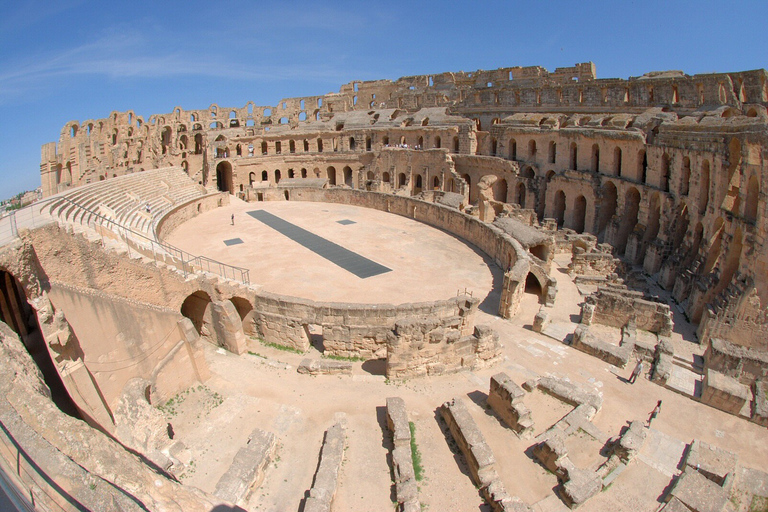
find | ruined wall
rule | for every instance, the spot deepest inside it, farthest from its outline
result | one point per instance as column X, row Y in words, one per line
column 617, row 309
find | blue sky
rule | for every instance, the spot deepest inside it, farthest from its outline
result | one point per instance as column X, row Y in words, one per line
column 76, row 60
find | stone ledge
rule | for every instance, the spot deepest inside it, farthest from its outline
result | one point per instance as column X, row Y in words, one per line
column 248, row 466
column 324, row 367
column 406, row 488
column 327, row 477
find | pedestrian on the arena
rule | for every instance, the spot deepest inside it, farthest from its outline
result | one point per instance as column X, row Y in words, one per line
column 233, row 219
column 655, row 412
column 637, row 371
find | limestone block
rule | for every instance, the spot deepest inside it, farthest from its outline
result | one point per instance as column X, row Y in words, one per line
column 248, row 467
column 324, row 367
column 588, row 343
column 630, row 442
column 227, row 327
column 723, row 392
column 712, row 462
column 505, row 398
column 327, row 476
column 698, row 493
column 540, row 321
column 581, row 486
column 397, row 420
column 760, row 415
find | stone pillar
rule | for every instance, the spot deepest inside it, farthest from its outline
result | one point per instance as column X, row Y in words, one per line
column 227, row 327
column 511, row 290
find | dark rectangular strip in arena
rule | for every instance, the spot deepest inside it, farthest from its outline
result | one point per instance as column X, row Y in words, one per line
column 350, row 261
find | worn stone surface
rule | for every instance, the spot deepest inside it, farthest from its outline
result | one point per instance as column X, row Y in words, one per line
column 698, row 493
column 711, row 461
column 248, row 467
column 324, row 367
column 406, row 488
column 327, row 476
column 724, row 392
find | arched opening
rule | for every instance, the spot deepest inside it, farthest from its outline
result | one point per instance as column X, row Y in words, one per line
column 418, row 184
column 629, row 219
column 579, row 213
column 617, row 161
column 292, row 146
column 560, row 208
column 286, row 195
column 468, row 181
column 455, row 144
column 303, row 173
column 420, row 142
column 608, row 204
column 512, row 149
column 244, row 309
column 331, row 174
column 198, row 144
column 681, row 226
column 352, row 144
column 685, row 179
column 196, row 308
column 665, row 165
column 16, row 312
column 533, row 286
column 654, row 217
column 438, row 142
column 500, row 190
column 264, row 148
column 520, row 195
column 264, row 176
column 642, row 171
column 552, row 156
column 704, row 187
column 435, row 183
column 319, row 145
column 224, row 177
column 595, row 158
column 290, row 174
column 385, row 177
column 494, row 146
column 401, row 180
column 277, row 176
column 367, row 143
column 306, row 146
column 753, row 191
column 574, row 157
column 715, row 243
column 348, row 177
column 251, row 178
column 532, row 150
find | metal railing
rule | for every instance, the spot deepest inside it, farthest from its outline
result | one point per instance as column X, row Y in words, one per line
column 188, row 263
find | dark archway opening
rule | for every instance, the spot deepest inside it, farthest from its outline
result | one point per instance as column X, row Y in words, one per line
column 196, row 308
column 532, row 285
column 16, row 312
column 224, row 177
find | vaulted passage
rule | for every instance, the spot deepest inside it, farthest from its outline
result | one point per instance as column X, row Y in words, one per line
column 16, row 312
column 224, row 177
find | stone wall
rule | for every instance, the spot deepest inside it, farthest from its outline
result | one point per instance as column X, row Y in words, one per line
column 744, row 364
column 617, row 308
column 187, row 211
column 42, row 444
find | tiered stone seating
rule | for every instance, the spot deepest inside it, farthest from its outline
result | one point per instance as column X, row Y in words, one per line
column 125, row 199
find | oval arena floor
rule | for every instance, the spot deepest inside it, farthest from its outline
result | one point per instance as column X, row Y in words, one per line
column 338, row 253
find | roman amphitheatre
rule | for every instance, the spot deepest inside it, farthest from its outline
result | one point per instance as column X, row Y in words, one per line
column 426, row 293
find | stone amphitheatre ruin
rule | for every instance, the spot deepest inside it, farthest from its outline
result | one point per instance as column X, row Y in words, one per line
column 426, row 293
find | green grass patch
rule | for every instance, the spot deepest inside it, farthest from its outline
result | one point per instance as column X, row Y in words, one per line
column 277, row 346
column 256, row 354
column 418, row 470
column 343, row 358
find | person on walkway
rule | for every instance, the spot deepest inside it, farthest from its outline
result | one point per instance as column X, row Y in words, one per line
column 233, row 219
column 637, row 371
column 655, row 412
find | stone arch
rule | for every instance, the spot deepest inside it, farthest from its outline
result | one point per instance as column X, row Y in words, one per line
column 682, row 220
column 685, row 176
column 704, row 187
column 595, row 158
column 436, row 183
column 629, row 218
column 418, row 184
column 715, row 244
column 512, row 149
column 348, row 180
column 251, row 179
column 224, row 177
column 331, row 174
column 560, row 208
column 617, row 157
column 520, row 195
column 197, row 308
column 665, row 172
column 401, row 180
column 574, row 156
column 642, row 166
column 438, row 142
column 500, row 190
column 579, row 213
column 654, row 219
column 608, row 205
column 278, row 175
column 468, row 181
column 245, row 312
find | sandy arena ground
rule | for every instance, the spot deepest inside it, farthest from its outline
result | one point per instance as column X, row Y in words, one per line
column 264, row 390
